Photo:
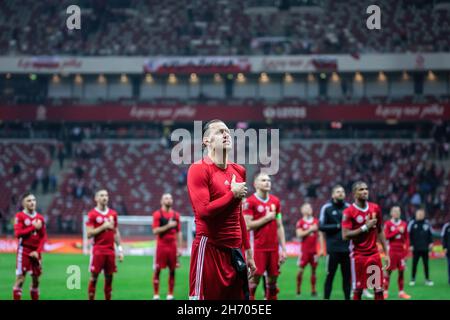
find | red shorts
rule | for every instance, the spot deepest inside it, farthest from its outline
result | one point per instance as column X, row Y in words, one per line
column 397, row 261
column 212, row 275
column 25, row 264
column 367, row 272
column 106, row 262
column 166, row 256
column 267, row 261
column 307, row 258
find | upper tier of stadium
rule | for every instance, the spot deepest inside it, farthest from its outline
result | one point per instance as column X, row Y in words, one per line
column 224, row 27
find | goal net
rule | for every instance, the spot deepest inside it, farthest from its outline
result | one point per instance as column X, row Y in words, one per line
column 138, row 238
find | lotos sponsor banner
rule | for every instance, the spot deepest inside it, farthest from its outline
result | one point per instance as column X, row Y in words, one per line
column 145, row 112
column 200, row 65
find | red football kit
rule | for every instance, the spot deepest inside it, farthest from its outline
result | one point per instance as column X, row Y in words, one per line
column 308, row 245
column 364, row 254
column 30, row 240
column 166, row 243
column 103, row 253
column 220, row 226
column 264, row 240
column 396, row 233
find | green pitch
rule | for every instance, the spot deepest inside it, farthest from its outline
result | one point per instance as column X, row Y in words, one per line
column 134, row 280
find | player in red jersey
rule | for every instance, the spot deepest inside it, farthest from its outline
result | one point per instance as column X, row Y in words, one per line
column 103, row 228
column 167, row 227
column 307, row 229
column 29, row 228
column 396, row 232
column 216, row 188
column 362, row 225
column 262, row 213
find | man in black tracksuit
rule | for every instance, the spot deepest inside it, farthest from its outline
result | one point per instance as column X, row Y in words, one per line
column 337, row 249
column 446, row 244
column 421, row 240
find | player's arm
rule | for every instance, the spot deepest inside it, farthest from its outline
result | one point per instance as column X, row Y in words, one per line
column 444, row 235
column 323, row 221
column 322, row 244
column 246, row 245
column 390, row 234
column 300, row 232
column 430, row 237
column 258, row 223
column 92, row 232
column 348, row 233
column 20, row 230
column 281, row 236
column 43, row 238
column 197, row 184
column 382, row 240
column 117, row 241
column 158, row 230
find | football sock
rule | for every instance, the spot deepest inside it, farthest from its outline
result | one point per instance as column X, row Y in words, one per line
column 379, row 295
column 313, row 280
column 272, row 291
column 387, row 278
column 299, row 281
column 156, row 281
column 17, row 293
column 34, row 293
column 171, row 281
column 401, row 280
column 357, row 294
column 252, row 288
column 108, row 287
column 91, row 289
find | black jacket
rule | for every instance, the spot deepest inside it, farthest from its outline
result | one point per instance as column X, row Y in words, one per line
column 420, row 236
column 330, row 224
column 446, row 237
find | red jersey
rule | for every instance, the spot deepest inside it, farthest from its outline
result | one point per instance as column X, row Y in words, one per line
column 28, row 236
column 353, row 218
column 398, row 241
column 265, row 238
column 161, row 218
column 103, row 242
column 309, row 242
column 218, row 214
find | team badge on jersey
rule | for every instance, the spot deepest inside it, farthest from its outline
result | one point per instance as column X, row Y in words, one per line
column 359, row 219
column 99, row 219
column 392, row 228
column 27, row 222
column 260, row 208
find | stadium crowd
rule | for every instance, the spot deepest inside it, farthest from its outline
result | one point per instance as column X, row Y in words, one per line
column 201, row 27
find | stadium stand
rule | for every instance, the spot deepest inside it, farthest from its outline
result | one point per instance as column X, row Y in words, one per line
column 223, row 27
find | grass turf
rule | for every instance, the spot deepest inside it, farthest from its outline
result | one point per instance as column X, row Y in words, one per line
column 133, row 280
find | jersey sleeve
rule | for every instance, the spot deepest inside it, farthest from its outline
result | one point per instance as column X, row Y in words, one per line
column 245, row 240
column 346, row 219
column 298, row 225
column 247, row 207
column 198, row 189
column 116, row 220
column 43, row 233
column 90, row 221
column 278, row 209
column 156, row 217
column 379, row 219
column 19, row 229
column 388, row 233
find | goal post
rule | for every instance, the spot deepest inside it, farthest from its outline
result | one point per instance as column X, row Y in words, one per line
column 138, row 238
